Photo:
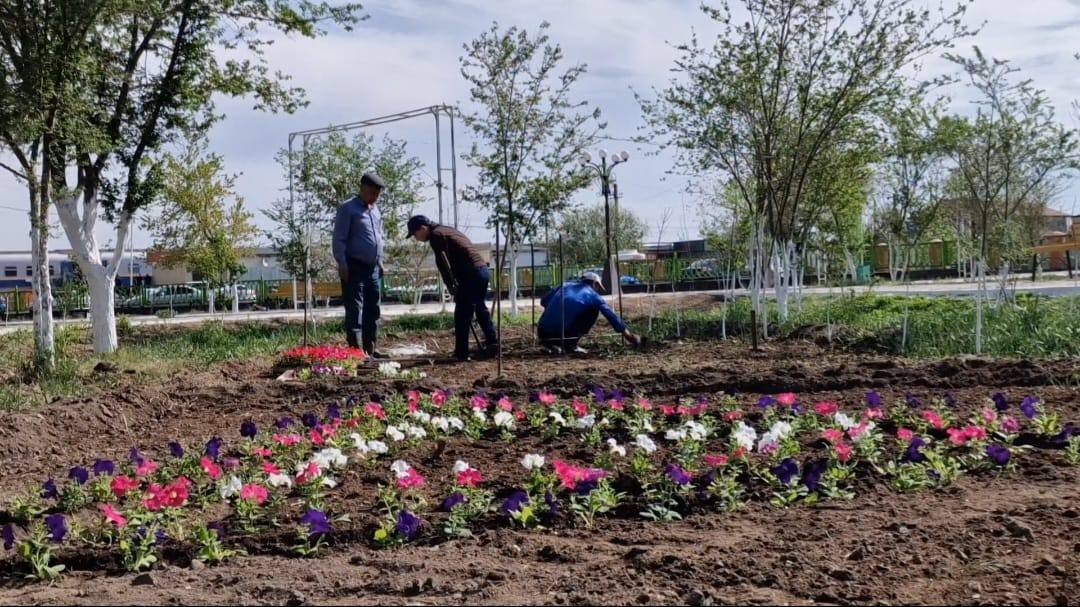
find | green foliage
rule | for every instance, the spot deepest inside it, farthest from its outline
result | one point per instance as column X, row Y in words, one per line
column 528, row 132
column 584, row 234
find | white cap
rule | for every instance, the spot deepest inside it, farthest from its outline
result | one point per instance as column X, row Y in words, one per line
column 594, row 278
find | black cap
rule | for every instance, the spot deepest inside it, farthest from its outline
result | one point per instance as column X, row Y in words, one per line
column 416, row 222
column 373, row 180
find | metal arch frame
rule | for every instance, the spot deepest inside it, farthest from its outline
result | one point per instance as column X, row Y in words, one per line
column 434, row 110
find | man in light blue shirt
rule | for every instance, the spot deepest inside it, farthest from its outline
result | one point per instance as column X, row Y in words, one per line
column 358, row 250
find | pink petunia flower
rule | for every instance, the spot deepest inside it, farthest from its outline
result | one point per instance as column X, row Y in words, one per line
column 668, row 410
column 826, row 408
column 787, row 399
column 739, row 452
column 1009, row 424
column 833, row 435
column 519, row 415
column 120, row 485
column 316, row 437
column 905, row 434
column 375, row 409
column 146, row 467
column 989, row 415
column 254, row 493
column 112, row 515
column 479, row 403
column 262, row 452
column 873, row 413
column 580, row 408
column 410, row 479
column 270, row 468
column 547, row 398
column 616, row 405
column 843, row 451
column 956, row 436
column 210, row 468
column 469, row 477
column 715, row 461
column 933, row 419
column 570, row 475
column 287, row 440
column 505, row 404
column 310, row 471
column 733, row 415
column 414, row 397
column 439, row 398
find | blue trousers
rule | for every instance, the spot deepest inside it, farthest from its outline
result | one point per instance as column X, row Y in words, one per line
column 361, row 298
column 471, row 301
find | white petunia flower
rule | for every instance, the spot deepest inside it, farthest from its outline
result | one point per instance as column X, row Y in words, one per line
column 330, row 458
column 359, row 442
column 504, row 419
column 400, row 468
column 780, row 430
column 696, row 430
column 394, row 434
column 460, row 466
column 279, row 480
column 480, row 415
column 675, row 435
column 422, row 417
column 844, row 421
column 440, row 423
column 328, row 482
column 456, row 423
column 532, row 461
column 586, row 421
column 377, row 447
column 768, row 440
column 557, row 417
column 646, row 444
column 647, row 426
column 390, row 369
column 744, row 436
column 230, row 487
column 616, row 448
column 416, row 432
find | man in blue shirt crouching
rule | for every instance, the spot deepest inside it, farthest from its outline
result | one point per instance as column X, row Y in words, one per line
column 571, row 310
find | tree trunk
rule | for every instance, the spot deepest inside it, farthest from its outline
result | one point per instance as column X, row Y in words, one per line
column 235, row 298
column 513, row 279
column 102, row 309
column 44, row 340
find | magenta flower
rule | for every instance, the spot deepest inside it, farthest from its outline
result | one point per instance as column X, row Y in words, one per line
column 58, row 527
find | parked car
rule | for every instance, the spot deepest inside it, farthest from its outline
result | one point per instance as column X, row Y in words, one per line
column 167, row 295
column 245, row 293
column 703, row 268
column 626, row 280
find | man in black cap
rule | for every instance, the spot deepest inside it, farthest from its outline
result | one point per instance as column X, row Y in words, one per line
column 358, row 250
column 466, row 274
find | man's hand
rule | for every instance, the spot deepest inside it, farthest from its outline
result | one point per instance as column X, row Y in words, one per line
column 631, row 338
column 343, row 272
column 382, row 270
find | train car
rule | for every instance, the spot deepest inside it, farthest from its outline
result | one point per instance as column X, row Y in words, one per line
column 16, row 269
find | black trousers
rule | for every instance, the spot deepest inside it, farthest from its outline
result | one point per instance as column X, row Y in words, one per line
column 361, row 298
column 471, row 301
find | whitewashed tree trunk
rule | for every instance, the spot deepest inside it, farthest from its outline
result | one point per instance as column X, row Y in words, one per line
column 979, row 274
column 211, row 301
column 513, row 279
column 80, row 231
column 235, row 298
column 849, row 260
column 40, row 280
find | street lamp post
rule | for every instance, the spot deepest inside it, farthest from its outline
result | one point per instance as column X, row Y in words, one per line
column 604, row 169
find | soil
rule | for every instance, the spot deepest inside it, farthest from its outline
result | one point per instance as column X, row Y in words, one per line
column 986, row 539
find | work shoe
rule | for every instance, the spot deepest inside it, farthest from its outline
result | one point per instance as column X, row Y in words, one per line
column 463, row 358
column 552, row 349
column 580, row 350
column 377, row 355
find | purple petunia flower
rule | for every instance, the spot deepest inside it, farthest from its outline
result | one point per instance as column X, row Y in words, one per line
column 104, row 466
column 58, row 527
column 1027, row 407
column 677, row 474
column 766, row 401
column 873, row 400
column 333, row 411
column 534, row 396
column 1000, row 401
column 283, row 422
column 160, row 536
column 49, row 490
column 912, row 400
column 950, row 399
column 135, row 457
column 701, row 399
column 9, row 536
column 176, row 449
column 1062, row 438
column 248, row 429
column 217, row 527
column 913, row 454
column 309, row 420
column 515, row 502
column 786, row 470
column 451, row 500
column 812, row 472
column 552, row 505
column 79, row 474
column 598, row 393
column 797, row 409
column 408, row 524
column 616, row 395
column 998, row 453
column 316, row 522
column 213, row 447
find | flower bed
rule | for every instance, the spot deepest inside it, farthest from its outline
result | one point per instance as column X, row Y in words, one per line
column 316, row 361
column 644, row 460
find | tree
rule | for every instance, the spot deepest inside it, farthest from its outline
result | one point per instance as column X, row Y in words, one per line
column 327, row 171
column 583, row 233
column 202, row 224
column 776, row 90
column 529, row 134
column 110, row 82
column 1008, row 155
column 913, row 174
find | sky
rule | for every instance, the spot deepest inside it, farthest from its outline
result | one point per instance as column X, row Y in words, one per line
column 405, row 56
